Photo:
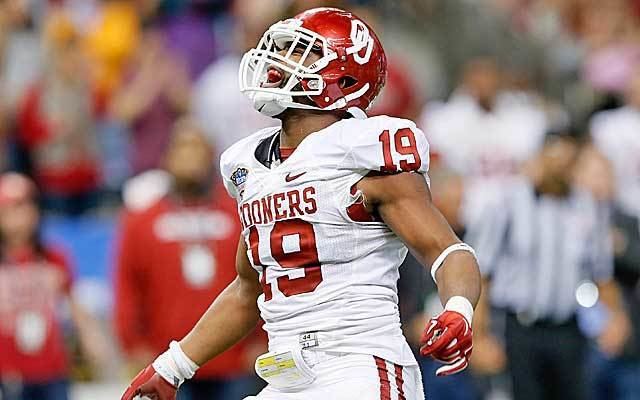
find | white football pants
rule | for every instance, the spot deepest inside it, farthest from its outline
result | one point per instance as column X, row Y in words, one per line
column 342, row 376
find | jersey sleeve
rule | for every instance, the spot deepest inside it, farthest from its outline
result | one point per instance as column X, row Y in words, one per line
column 600, row 252
column 236, row 160
column 233, row 173
column 226, row 171
column 387, row 145
column 129, row 276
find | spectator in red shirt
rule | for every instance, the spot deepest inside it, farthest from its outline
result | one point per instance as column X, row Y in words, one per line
column 400, row 97
column 35, row 282
column 183, row 244
column 4, row 152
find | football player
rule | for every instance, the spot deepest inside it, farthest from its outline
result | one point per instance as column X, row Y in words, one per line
column 329, row 204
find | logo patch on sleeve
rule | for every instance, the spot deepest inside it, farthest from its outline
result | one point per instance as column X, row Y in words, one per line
column 239, row 176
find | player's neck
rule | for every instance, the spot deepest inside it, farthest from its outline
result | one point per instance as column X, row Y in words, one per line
column 16, row 244
column 186, row 192
column 298, row 125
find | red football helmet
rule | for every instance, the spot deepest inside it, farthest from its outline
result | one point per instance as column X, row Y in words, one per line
column 349, row 75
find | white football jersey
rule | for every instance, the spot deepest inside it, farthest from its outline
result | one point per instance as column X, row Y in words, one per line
column 486, row 148
column 485, row 145
column 616, row 134
column 328, row 268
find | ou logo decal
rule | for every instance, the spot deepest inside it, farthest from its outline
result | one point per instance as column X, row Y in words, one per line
column 361, row 41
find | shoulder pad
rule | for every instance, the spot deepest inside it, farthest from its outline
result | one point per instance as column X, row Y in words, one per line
column 235, row 160
column 385, row 144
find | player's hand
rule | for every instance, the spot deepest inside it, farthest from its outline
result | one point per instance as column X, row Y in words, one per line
column 448, row 339
column 149, row 383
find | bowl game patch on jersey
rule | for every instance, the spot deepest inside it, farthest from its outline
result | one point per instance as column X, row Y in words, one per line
column 239, row 176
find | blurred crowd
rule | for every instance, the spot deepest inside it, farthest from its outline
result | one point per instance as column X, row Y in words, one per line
column 113, row 114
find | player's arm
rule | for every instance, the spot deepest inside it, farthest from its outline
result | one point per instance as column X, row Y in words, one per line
column 232, row 316
column 404, row 202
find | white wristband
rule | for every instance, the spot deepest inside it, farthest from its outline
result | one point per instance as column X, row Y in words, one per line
column 440, row 260
column 461, row 305
column 174, row 366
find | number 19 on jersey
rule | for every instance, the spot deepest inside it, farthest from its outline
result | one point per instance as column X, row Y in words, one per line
column 292, row 244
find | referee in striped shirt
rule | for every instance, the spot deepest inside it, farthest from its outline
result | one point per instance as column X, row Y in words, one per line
column 536, row 246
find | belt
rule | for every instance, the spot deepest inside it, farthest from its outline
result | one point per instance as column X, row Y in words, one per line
column 314, row 357
column 308, row 342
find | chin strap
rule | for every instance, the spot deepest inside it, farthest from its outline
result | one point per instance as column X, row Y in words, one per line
column 271, row 104
column 267, row 103
column 357, row 113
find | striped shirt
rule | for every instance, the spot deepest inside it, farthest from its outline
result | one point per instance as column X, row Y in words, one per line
column 537, row 249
